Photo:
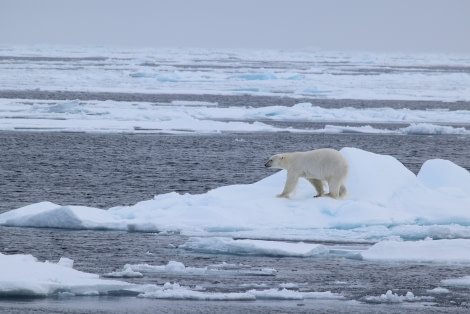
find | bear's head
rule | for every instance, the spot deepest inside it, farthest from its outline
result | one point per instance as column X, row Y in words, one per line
column 276, row 161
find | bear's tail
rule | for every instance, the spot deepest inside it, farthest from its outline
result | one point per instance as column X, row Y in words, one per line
column 342, row 191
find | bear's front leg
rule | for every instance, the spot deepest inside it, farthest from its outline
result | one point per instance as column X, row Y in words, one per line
column 291, row 183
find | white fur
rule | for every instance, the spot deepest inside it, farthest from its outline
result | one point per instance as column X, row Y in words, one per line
column 316, row 166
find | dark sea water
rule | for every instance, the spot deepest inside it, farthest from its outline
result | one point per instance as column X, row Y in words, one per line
column 105, row 170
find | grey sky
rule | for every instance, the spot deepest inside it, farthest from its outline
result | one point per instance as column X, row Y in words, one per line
column 377, row 25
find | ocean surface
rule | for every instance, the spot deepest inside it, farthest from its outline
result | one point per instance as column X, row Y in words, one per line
column 208, row 130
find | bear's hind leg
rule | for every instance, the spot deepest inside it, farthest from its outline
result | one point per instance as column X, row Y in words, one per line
column 291, row 183
column 318, row 184
column 335, row 189
column 342, row 191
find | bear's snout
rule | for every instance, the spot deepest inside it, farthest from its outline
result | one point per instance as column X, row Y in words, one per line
column 268, row 163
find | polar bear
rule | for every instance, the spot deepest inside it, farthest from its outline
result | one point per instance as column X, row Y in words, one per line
column 316, row 166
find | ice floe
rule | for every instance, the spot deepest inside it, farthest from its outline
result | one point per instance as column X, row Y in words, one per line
column 385, row 200
column 25, row 276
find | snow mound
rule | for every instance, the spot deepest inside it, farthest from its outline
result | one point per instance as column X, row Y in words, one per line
column 444, row 174
column 385, row 199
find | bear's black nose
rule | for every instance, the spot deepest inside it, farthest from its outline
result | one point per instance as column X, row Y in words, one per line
column 268, row 164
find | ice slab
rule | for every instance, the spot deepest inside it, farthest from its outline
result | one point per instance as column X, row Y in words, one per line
column 25, row 276
column 428, row 250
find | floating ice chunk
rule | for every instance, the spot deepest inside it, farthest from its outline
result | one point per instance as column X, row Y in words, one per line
column 285, row 294
column 177, row 292
column 25, row 276
column 438, row 290
column 174, row 291
column 459, row 282
column 289, row 285
column 432, row 129
column 50, row 215
column 353, row 129
column 172, row 267
column 390, row 297
column 414, row 129
column 178, row 268
column 127, row 272
column 439, row 251
column 65, row 262
column 217, row 245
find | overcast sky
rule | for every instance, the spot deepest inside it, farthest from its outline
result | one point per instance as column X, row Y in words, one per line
column 370, row 25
